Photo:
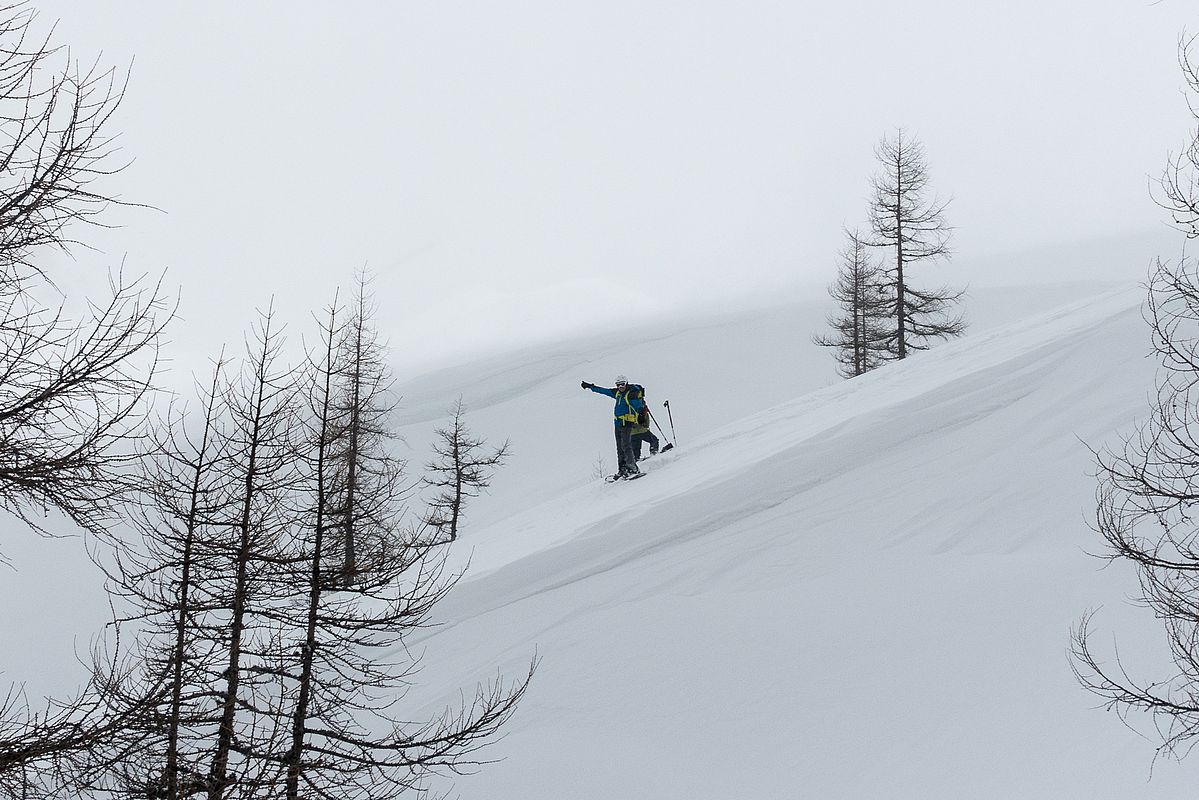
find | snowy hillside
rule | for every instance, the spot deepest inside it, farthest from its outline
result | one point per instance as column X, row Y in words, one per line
column 861, row 591
column 830, row 589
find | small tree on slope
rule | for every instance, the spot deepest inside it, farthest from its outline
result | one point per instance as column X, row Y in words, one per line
column 461, row 470
column 913, row 231
column 858, row 328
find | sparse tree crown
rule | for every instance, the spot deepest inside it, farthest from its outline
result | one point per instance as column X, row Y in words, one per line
column 1147, row 499
column 910, row 228
column 859, row 330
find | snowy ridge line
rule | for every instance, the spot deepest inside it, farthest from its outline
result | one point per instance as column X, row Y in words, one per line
column 754, row 498
column 533, row 363
column 952, row 360
column 728, row 454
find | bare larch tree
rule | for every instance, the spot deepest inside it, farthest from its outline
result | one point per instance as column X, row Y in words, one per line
column 346, row 740
column 165, row 583
column 1179, row 193
column 70, row 389
column 911, row 228
column 73, row 384
column 203, row 587
column 463, row 468
column 358, row 436
column 858, row 329
column 1148, row 491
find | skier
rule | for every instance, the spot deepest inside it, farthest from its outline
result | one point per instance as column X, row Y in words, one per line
column 630, row 402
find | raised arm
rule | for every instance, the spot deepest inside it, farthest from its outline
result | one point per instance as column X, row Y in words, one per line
column 599, row 389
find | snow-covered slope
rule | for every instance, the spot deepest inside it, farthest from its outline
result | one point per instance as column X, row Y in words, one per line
column 837, row 589
column 862, row 591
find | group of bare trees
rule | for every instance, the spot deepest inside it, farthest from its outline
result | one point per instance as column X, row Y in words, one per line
column 883, row 315
column 276, row 583
column 1148, row 491
column 265, row 568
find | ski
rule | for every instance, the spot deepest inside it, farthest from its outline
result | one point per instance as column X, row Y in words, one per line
column 615, row 478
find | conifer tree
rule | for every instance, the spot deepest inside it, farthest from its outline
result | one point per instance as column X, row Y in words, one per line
column 73, row 385
column 345, row 739
column 859, row 329
column 366, row 471
column 1147, row 498
column 170, row 583
column 912, row 231
column 460, row 471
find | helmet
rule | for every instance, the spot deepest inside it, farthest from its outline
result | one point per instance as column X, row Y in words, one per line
column 621, row 379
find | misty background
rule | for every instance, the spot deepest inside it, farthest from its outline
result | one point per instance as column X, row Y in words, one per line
column 516, row 172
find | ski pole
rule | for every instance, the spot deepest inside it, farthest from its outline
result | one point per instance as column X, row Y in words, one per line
column 671, row 418
column 654, row 419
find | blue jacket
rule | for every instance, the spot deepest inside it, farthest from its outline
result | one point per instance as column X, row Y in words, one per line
column 629, row 403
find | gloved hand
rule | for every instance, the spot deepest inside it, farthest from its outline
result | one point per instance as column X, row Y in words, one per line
column 587, row 385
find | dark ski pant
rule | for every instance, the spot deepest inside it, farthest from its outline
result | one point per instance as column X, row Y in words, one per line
column 639, row 439
column 625, row 461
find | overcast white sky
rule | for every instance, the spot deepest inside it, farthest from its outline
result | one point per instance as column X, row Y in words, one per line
column 557, row 163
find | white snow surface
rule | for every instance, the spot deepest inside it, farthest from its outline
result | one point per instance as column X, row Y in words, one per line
column 858, row 590
column 829, row 589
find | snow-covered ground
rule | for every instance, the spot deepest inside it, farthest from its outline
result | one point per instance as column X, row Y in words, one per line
column 830, row 589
